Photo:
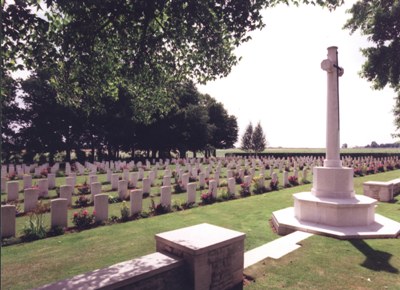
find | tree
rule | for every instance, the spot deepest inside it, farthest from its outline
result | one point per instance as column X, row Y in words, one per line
column 258, row 139
column 247, row 138
column 10, row 117
column 48, row 126
column 380, row 21
column 95, row 48
column 374, row 144
column 222, row 126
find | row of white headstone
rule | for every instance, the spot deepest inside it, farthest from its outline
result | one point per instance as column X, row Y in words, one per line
column 193, row 164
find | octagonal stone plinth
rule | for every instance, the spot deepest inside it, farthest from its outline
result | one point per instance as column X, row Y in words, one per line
column 340, row 212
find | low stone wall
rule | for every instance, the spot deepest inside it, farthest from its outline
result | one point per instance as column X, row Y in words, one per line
column 154, row 271
column 382, row 191
column 200, row 257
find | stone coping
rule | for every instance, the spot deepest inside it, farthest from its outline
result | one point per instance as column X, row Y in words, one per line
column 359, row 200
column 380, row 183
column 200, row 238
column 118, row 275
column 284, row 220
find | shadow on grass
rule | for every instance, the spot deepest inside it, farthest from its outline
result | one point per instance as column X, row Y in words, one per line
column 375, row 260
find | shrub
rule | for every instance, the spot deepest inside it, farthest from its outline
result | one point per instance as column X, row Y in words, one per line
column 176, row 206
column 113, row 199
column 124, row 212
column 273, row 185
column 389, row 167
column 12, row 176
column 44, row 173
column 60, row 174
column 207, row 198
column 226, row 196
column 293, row 180
column 158, row 209
column 178, row 188
column 82, row 201
column 35, row 228
column 245, row 189
column 56, row 231
column 358, row 172
column 83, row 220
column 259, row 188
column 381, row 168
column 370, row 170
column 223, row 183
column 238, row 179
column 84, row 188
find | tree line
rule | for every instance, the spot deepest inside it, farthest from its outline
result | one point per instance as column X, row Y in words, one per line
column 36, row 123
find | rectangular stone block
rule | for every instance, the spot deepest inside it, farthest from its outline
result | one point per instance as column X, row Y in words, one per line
column 43, row 187
column 101, row 207
column 214, row 255
column 12, row 190
column 122, row 189
column 27, row 180
column 191, row 192
column 51, row 177
column 66, row 192
column 8, row 221
column 59, row 212
column 31, row 196
column 136, row 201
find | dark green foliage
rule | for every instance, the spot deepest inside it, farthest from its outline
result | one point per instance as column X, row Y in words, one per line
column 258, row 139
column 247, row 138
column 380, row 21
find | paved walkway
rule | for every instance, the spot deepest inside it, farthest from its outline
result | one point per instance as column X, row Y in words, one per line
column 275, row 249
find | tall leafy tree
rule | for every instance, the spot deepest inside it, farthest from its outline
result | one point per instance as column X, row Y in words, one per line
column 258, row 139
column 48, row 126
column 10, row 117
column 380, row 21
column 223, row 127
column 96, row 47
column 247, row 138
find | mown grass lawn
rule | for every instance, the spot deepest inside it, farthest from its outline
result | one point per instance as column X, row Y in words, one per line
column 321, row 263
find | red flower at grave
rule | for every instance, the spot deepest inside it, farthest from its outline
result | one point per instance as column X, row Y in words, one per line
column 85, row 212
column 75, row 214
column 94, row 212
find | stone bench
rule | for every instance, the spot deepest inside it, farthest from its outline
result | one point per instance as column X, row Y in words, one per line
column 380, row 190
column 154, row 271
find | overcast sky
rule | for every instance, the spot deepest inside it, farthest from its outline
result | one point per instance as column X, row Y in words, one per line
column 280, row 83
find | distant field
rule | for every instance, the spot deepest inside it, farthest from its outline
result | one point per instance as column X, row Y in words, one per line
column 222, row 152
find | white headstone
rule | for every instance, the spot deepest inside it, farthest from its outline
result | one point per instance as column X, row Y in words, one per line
column 59, row 212
column 136, row 201
column 12, row 190
column 8, row 221
column 146, row 185
column 165, row 198
column 101, row 207
column 66, row 192
column 191, row 192
column 123, row 189
column 31, row 196
column 43, row 187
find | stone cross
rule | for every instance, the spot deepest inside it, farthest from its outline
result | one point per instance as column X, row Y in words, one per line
column 330, row 65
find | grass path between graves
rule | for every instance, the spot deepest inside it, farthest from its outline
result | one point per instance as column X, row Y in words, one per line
column 321, row 263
